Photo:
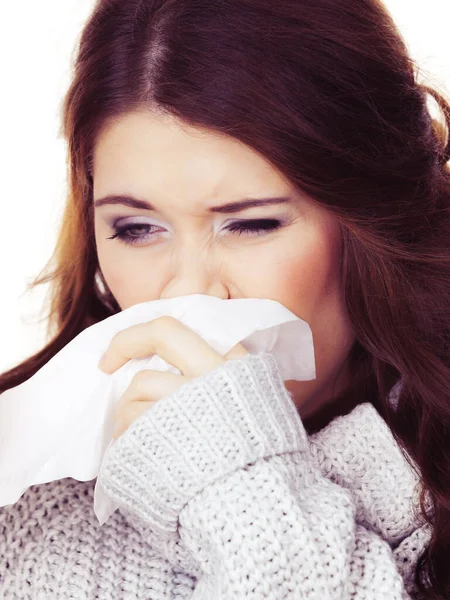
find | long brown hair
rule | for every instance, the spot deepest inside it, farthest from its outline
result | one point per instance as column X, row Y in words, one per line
column 326, row 91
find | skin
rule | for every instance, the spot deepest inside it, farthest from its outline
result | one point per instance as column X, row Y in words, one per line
column 182, row 171
column 175, row 343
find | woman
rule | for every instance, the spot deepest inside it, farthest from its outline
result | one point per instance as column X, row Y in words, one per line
column 231, row 482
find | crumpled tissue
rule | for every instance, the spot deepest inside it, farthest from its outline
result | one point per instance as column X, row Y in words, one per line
column 60, row 422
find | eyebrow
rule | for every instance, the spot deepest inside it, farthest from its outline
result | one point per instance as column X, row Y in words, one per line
column 225, row 208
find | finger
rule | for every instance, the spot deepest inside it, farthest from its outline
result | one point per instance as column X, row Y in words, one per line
column 131, row 413
column 167, row 337
column 237, row 351
column 150, row 386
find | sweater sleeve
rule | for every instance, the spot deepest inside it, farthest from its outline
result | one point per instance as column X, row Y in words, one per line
column 221, row 479
column 358, row 451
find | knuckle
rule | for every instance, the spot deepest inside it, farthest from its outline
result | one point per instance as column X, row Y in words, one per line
column 141, row 379
column 165, row 321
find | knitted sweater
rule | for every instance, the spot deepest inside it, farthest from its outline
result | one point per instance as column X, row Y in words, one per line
column 224, row 496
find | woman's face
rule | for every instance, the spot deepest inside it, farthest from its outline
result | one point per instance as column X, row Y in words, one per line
column 179, row 245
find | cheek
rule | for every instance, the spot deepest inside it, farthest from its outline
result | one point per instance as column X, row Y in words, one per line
column 303, row 274
column 305, row 277
column 122, row 270
column 309, row 285
column 131, row 282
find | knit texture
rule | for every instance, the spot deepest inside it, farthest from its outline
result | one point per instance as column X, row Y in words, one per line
column 223, row 495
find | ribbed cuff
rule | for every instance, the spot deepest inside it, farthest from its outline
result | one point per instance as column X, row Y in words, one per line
column 211, row 426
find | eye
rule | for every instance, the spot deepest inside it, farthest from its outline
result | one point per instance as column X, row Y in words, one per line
column 254, row 227
column 123, row 233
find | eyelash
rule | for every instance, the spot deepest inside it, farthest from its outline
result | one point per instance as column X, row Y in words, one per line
column 240, row 227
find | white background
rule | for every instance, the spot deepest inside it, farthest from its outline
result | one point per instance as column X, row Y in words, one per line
column 37, row 41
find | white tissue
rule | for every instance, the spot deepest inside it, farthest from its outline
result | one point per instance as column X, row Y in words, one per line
column 59, row 423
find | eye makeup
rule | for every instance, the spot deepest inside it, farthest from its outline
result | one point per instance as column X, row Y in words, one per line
column 247, row 227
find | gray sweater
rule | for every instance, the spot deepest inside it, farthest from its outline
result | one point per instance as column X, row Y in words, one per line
column 223, row 495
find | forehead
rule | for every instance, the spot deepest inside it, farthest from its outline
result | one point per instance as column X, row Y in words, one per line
column 147, row 154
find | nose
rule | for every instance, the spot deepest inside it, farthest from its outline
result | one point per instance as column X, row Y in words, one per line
column 179, row 288
column 193, row 278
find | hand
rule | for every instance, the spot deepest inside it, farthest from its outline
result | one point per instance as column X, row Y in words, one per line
column 172, row 341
